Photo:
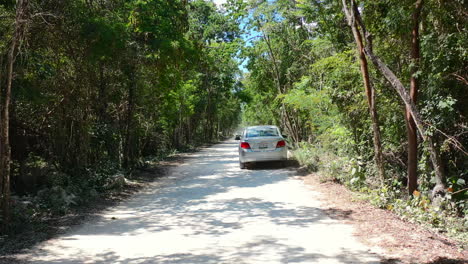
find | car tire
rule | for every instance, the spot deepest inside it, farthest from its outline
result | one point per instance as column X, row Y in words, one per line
column 242, row 165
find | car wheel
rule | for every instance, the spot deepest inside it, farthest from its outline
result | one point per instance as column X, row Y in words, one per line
column 242, row 165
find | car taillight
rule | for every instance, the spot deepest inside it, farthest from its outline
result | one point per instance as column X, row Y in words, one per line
column 244, row 145
column 281, row 144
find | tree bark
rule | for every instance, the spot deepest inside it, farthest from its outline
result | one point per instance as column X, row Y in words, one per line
column 370, row 93
column 402, row 92
column 414, row 87
column 5, row 150
column 286, row 119
column 129, row 144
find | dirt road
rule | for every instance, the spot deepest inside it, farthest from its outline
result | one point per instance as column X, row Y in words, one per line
column 209, row 211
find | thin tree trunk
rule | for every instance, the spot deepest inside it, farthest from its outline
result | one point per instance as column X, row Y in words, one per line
column 402, row 92
column 5, row 150
column 370, row 93
column 284, row 113
column 414, row 87
column 128, row 148
column 276, row 68
column 2, row 175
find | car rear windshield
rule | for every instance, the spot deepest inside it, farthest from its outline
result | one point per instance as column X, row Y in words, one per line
column 262, row 132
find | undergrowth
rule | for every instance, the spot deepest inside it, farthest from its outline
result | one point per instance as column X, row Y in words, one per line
column 448, row 214
column 61, row 193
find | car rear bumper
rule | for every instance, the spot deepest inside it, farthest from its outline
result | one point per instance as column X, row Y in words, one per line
column 248, row 155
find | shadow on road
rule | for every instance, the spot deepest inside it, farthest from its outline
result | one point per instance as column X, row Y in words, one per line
column 208, row 199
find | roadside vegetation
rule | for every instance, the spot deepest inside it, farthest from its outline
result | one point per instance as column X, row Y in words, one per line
column 372, row 95
column 96, row 89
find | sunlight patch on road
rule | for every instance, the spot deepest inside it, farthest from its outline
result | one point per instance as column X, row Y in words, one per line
column 210, row 211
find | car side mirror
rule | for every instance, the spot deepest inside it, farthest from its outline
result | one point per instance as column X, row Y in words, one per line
column 284, row 136
column 238, row 137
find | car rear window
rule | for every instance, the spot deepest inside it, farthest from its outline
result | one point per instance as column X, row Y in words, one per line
column 262, row 132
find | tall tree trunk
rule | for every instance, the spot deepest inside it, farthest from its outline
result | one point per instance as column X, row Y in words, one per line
column 129, row 144
column 414, row 87
column 5, row 150
column 286, row 119
column 370, row 94
column 402, row 92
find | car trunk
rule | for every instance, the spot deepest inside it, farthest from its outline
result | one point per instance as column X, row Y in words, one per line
column 263, row 143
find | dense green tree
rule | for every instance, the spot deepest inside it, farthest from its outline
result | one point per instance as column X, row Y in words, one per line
column 97, row 86
column 301, row 51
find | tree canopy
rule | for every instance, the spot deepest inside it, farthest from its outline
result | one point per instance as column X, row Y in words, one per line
column 93, row 88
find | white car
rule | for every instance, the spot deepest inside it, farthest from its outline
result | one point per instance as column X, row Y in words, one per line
column 261, row 143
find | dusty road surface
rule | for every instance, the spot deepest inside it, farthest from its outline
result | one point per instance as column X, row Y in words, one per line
column 209, row 211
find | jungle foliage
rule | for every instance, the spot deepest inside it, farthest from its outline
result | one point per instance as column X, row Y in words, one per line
column 305, row 75
column 99, row 87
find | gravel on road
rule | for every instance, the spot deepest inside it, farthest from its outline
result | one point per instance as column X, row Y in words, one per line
column 207, row 210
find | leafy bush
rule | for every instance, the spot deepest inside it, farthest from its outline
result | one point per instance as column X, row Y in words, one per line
column 316, row 158
column 334, row 168
column 419, row 208
column 308, row 157
column 56, row 200
column 449, row 215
